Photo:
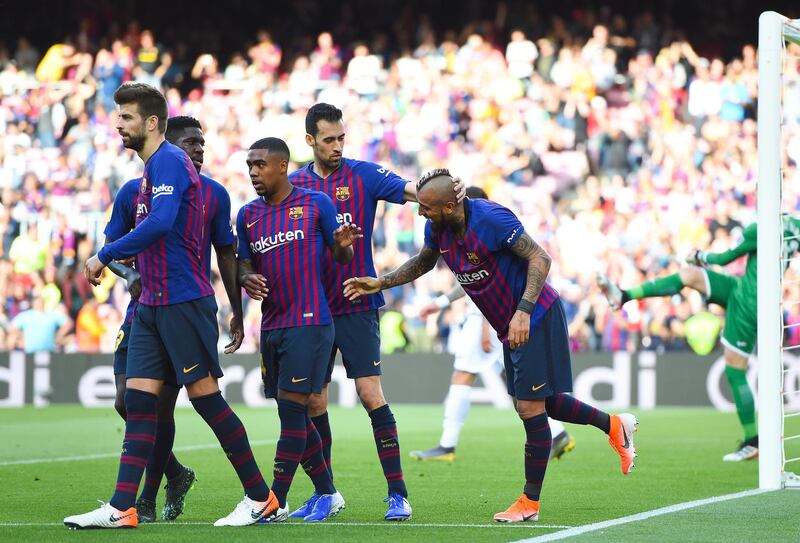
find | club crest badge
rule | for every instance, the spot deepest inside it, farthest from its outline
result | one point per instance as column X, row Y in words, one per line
column 473, row 258
column 296, row 212
column 342, row 193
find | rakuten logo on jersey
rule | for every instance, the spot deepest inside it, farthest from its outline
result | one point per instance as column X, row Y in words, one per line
column 268, row 243
column 161, row 190
column 471, row 277
column 344, row 218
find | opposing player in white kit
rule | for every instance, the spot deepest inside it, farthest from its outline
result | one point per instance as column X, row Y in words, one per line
column 477, row 350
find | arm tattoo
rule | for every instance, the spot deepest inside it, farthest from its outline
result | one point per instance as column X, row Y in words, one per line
column 538, row 265
column 413, row 268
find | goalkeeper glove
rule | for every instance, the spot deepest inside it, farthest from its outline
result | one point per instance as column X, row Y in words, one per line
column 697, row 258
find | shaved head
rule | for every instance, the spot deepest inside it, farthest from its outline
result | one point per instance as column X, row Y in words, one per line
column 438, row 189
column 437, row 199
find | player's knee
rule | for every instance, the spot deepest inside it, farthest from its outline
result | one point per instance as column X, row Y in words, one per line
column 735, row 360
column 370, row 393
column 694, row 277
column 317, row 405
column 529, row 409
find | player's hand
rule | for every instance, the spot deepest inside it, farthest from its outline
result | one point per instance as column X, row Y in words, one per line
column 356, row 287
column 428, row 310
column 519, row 329
column 134, row 284
column 255, row 285
column 347, row 234
column 92, row 270
column 236, row 335
column 460, row 189
column 696, row 258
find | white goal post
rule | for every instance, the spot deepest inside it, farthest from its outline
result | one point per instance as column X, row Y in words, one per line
column 773, row 31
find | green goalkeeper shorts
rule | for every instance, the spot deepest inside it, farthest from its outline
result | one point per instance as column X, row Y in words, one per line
column 719, row 287
column 739, row 333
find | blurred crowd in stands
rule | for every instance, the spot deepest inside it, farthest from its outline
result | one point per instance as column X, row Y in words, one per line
column 619, row 146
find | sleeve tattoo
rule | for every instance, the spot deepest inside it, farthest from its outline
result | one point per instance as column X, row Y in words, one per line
column 413, row 268
column 538, row 265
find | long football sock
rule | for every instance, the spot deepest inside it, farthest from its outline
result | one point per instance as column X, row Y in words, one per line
column 140, row 436
column 162, row 450
column 323, row 426
column 233, row 437
column 538, row 441
column 456, row 409
column 291, row 444
column 567, row 408
column 743, row 397
column 384, row 429
column 173, row 467
column 314, row 463
column 663, row 286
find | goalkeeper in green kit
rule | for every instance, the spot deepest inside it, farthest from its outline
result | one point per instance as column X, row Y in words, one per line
column 738, row 295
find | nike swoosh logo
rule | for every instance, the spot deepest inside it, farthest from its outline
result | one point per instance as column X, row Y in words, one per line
column 443, row 252
column 627, row 443
column 537, row 388
column 255, row 515
column 296, row 380
column 526, row 518
column 387, row 440
column 250, row 224
column 187, row 370
column 378, row 363
column 112, row 518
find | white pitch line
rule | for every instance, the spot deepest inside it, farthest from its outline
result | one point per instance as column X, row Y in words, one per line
column 422, row 524
column 579, row 530
column 116, row 454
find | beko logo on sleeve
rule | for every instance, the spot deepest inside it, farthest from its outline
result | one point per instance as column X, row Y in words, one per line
column 161, row 190
column 510, row 238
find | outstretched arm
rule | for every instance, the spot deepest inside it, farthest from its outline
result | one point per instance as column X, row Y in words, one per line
column 415, row 267
column 538, row 268
column 748, row 245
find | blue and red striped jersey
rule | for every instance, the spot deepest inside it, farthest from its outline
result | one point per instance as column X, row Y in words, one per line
column 122, row 221
column 355, row 188
column 288, row 243
column 482, row 261
column 217, row 212
column 169, row 236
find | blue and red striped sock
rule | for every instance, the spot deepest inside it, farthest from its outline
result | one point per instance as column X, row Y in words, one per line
column 567, row 408
column 233, row 437
column 323, row 426
column 165, row 437
column 291, row 445
column 140, row 436
column 313, row 462
column 384, row 429
column 537, row 452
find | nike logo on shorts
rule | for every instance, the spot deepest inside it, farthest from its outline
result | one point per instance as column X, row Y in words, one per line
column 296, row 380
column 187, row 370
column 537, row 388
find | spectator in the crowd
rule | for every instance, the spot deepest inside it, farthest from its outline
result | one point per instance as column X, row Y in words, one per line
column 39, row 330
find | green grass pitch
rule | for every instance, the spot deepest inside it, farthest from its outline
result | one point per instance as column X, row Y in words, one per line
column 679, row 460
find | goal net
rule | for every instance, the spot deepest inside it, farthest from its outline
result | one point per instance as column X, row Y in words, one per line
column 778, row 255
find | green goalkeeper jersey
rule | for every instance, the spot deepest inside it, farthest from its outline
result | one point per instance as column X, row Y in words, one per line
column 746, row 292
